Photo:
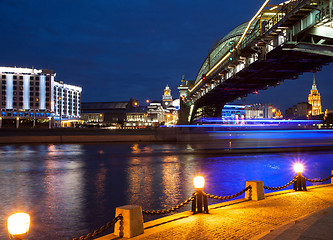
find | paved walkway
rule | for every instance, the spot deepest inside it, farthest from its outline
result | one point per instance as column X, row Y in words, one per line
column 281, row 215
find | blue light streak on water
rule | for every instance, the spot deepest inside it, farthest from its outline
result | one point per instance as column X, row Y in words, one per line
column 275, row 134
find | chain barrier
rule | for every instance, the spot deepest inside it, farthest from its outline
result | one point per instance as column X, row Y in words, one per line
column 164, row 211
column 282, row 187
column 231, row 196
column 100, row 230
column 319, row 180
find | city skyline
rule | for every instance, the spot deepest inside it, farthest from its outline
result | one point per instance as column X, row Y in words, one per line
column 122, row 50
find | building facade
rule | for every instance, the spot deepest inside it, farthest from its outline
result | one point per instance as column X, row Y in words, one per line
column 259, row 111
column 314, row 99
column 28, row 97
column 299, row 111
column 67, row 104
column 108, row 113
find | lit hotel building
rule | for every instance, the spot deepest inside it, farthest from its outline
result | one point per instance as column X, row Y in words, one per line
column 31, row 96
column 314, row 99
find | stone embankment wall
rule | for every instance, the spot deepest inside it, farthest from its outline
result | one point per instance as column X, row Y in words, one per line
column 9, row 136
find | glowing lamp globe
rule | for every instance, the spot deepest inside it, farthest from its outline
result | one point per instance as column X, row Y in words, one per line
column 298, row 168
column 18, row 225
column 199, row 182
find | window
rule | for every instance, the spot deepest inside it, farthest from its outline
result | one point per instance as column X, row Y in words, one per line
column 21, row 114
column 31, row 78
column 14, row 77
column 9, row 114
column 14, row 82
column 3, row 87
column 4, row 82
column 21, row 77
column 37, row 88
column 3, row 76
column 37, row 78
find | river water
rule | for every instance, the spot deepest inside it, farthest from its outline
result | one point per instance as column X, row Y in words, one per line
column 72, row 189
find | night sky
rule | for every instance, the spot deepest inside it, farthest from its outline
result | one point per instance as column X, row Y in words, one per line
column 121, row 49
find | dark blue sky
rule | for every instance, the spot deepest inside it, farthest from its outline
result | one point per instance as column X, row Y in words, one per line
column 122, row 49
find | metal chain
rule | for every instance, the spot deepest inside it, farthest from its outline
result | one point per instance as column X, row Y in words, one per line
column 100, row 230
column 164, row 211
column 319, row 180
column 282, row 187
column 231, row 196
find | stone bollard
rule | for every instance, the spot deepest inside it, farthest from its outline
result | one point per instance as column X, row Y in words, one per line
column 332, row 177
column 257, row 190
column 132, row 223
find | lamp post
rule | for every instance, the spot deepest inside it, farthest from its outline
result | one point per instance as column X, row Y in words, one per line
column 300, row 183
column 200, row 203
column 18, row 225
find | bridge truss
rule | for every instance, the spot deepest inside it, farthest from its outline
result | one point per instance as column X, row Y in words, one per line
column 280, row 42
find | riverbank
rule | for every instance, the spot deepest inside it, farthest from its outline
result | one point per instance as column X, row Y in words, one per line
column 274, row 217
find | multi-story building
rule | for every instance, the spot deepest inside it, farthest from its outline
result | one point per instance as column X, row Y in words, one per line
column 108, row 113
column 299, row 111
column 234, row 111
column 67, row 103
column 314, row 99
column 27, row 97
column 259, row 111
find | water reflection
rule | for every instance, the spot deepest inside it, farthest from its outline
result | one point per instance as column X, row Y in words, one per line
column 70, row 190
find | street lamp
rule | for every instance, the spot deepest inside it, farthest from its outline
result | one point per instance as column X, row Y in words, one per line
column 200, row 200
column 18, row 225
column 300, row 183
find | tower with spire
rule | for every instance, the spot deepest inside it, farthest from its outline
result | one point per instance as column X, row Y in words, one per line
column 314, row 99
column 167, row 98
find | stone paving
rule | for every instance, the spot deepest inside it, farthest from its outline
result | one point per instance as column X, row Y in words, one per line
column 240, row 219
